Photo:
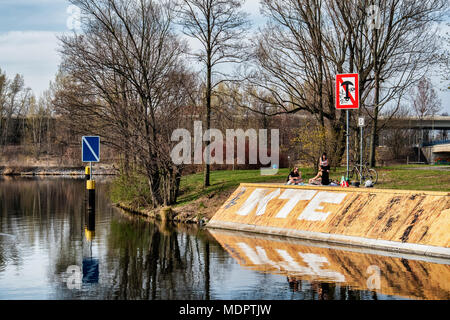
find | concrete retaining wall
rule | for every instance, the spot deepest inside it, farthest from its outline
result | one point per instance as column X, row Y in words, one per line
column 396, row 220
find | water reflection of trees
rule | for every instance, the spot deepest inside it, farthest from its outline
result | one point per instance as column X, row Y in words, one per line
column 316, row 290
column 45, row 218
column 138, row 259
column 155, row 262
column 36, row 213
column 150, row 260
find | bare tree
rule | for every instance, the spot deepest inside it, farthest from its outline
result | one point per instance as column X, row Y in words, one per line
column 396, row 139
column 403, row 46
column 219, row 26
column 297, row 55
column 125, row 73
column 445, row 58
column 13, row 103
column 306, row 43
column 38, row 125
column 425, row 102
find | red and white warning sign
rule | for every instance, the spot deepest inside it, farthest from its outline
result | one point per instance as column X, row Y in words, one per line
column 347, row 91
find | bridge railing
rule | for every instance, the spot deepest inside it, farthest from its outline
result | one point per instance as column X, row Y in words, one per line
column 434, row 143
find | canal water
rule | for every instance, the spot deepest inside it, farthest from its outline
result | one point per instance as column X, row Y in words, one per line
column 52, row 247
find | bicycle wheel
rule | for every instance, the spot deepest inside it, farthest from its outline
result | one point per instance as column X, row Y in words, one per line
column 373, row 175
column 351, row 173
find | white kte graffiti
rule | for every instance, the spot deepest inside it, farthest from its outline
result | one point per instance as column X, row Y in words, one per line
column 294, row 196
column 310, row 212
column 313, row 211
column 258, row 197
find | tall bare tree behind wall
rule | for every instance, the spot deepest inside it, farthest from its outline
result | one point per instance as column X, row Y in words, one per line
column 297, row 54
column 445, row 59
column 389, row 43
column 404, row 46
column 219, row 26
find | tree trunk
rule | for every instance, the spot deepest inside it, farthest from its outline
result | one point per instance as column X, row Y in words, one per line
column 373, row 135
column 374, row 132
column 206, row 182
column 207, row 273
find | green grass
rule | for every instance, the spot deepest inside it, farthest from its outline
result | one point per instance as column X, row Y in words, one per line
column 192, row 185
column 420, row 166
column 403, row 178
column 393, row 177
column 425, row 177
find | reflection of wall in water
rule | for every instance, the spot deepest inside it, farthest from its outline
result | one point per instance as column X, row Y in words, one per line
column 399, row 276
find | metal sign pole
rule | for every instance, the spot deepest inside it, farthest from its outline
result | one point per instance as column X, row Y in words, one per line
column 361, row 156
column 350, row 84
column 90, row 164
column 348, row 156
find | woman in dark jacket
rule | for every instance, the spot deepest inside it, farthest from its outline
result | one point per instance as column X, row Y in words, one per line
column 323, row 176
column 325, row 168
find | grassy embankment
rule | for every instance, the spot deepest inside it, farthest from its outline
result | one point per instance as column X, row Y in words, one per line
column 196, row 202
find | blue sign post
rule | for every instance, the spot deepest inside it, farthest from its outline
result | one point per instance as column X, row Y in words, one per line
column 90, row 150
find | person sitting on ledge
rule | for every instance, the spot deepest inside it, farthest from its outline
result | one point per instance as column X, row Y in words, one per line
column 295, row 177
column 317, row 180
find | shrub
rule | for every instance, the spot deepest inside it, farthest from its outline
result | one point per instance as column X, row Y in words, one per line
column 132, row 189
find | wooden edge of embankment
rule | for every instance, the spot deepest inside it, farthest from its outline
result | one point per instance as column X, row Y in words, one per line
column 350, row 189
column 392, row 246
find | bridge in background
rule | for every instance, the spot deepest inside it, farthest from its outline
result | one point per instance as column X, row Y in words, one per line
column 430, row 123
column 438, row 152
column 432, row 151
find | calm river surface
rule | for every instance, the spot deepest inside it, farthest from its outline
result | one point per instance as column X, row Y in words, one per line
column 52, row 248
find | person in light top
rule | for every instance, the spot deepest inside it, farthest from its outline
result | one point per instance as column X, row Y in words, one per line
column 324, row 162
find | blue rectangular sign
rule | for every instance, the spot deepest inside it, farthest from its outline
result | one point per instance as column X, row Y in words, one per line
column 90, row 150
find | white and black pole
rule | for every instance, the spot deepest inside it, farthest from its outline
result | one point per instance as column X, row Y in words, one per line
column 347, row 97
column 361, row 126
column 361, row 155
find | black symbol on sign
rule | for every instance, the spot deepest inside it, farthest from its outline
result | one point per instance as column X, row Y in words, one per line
column 346, row 86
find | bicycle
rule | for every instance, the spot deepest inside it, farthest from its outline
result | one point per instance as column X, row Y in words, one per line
column 365, row 174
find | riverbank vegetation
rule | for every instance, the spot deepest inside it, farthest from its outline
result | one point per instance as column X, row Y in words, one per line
column 196, row 202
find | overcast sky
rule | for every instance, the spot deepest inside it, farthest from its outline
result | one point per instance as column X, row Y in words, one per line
column 28, row 40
